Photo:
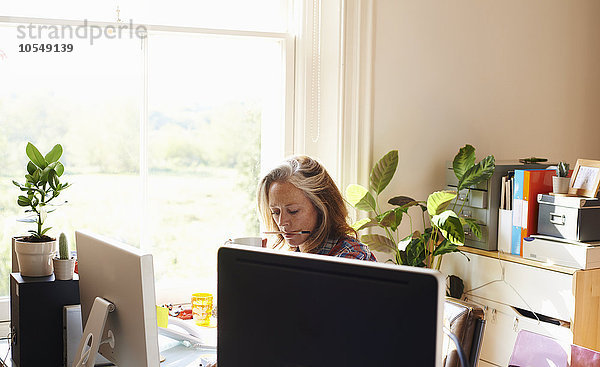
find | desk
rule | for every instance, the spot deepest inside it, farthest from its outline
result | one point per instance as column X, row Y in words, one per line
column 568, row 297
column 176, row 352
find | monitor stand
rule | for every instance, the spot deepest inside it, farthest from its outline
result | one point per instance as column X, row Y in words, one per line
column 92, row 334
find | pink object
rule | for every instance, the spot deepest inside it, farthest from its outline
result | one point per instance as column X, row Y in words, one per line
column 583, row 357
column 535, row 350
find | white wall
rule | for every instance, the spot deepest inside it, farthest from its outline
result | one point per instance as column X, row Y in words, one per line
column 513, row 78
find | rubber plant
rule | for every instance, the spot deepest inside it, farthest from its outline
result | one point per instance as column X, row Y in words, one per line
column 443, row 226
column 42, row 185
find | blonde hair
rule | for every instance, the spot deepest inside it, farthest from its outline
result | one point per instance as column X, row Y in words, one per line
column 311, row 177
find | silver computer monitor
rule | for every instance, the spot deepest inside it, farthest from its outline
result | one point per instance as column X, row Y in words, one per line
column 117, row 281
column 280, row 308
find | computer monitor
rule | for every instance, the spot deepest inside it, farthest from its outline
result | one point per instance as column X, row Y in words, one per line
column 116, row 287
column 289, row 309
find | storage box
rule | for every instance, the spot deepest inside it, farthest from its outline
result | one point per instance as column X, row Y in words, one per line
column 568, row 217
column 573, row 254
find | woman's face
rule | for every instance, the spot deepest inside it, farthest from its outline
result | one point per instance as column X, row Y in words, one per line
column 292, row 211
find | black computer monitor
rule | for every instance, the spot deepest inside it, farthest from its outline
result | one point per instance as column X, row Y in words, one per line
column 288, row 309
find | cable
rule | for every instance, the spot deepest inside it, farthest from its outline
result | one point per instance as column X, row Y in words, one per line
column 503, row 280
column 10, row 338
column 464, row 362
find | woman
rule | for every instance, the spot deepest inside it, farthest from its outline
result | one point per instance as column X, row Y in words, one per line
column 299, row 200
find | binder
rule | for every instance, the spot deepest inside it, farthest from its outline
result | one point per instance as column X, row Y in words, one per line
column 534, row 182
column 517, row 208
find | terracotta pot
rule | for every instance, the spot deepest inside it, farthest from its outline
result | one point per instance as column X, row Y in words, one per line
column 63, row 269
column 35, row 258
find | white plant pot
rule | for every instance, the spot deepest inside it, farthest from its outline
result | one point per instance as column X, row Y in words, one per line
column 63, row 269
column 560, row 185
column 35, row 258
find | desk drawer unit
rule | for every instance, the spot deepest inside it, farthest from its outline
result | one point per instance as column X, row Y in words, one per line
column 503, row 324
column 506, row 303
column 544, row 291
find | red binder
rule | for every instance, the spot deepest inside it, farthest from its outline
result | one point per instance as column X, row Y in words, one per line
column 535, row 182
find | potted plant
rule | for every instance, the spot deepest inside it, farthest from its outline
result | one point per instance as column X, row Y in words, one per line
column 560, row 182
column 64, row 263
column 42, row 185
column 443, row 231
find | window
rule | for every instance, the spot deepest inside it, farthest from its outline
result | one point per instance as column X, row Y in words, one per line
column 169, row 113
column 164, row 131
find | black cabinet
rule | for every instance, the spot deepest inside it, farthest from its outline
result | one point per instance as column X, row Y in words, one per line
column 36, row 312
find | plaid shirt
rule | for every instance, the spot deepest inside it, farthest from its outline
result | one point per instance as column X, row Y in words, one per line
column 346, row 246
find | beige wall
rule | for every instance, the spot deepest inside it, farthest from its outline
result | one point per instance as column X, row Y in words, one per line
column 514, row 78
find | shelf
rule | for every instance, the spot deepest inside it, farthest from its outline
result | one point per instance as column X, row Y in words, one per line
column 519, row 260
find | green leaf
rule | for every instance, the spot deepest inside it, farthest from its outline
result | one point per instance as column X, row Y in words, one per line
column 404, row 242
column 391, row 218
column 52, row 179
column 445, row 247
column 34, row 233
column 60, row 169
column 415, row 252
column 27, row 220
column 478, row 173
column 45, row 172
column 23, row 201
column 36, row 157
column 464, row 159
column 383, row 171
column 45, row 230
column 450, row 226
column 31, row 167
column 363, row 223
column 439, row 201
column 472, row 223
column 360, row 198
column 54, row 154
column 378, row 243
column 400, row 257
column 403, row 201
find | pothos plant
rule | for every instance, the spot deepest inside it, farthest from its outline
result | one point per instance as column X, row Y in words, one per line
column 42, row 185
column 443, row 226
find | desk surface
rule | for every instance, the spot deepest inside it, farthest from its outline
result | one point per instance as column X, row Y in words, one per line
column 181, row 355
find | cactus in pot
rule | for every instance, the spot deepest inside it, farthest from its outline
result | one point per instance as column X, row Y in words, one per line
column 560, row 182
column 63, row 247
column 562, row 169
column 64, row 264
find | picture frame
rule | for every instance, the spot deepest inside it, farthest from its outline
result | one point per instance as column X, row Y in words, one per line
column 585, row 180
